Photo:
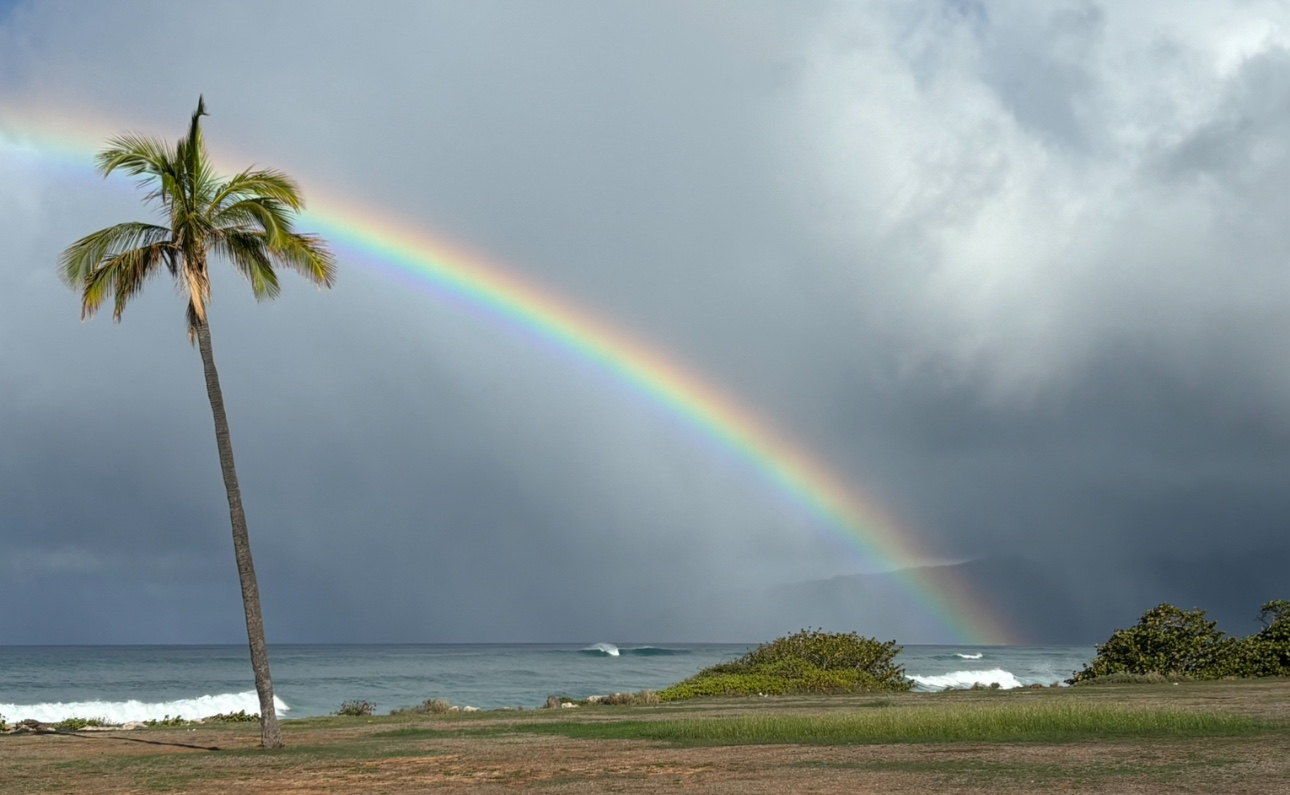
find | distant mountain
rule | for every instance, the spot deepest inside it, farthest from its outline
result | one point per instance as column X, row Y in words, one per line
column 1041, row 601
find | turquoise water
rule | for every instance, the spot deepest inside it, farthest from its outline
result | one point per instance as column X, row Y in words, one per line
column 124, row 683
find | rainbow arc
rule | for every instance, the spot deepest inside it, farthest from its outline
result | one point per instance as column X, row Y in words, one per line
column 837, row 507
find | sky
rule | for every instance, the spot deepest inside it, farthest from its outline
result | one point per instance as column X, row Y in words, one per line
column 1017, row 274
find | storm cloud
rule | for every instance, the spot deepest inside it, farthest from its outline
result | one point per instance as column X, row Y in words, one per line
column 1018, row 272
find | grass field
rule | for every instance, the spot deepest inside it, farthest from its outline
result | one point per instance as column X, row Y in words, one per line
column 1228, row 737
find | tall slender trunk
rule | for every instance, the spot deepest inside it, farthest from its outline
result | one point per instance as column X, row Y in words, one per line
column 270, row 733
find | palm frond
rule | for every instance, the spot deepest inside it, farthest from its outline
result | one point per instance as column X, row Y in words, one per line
column 200, row 182
column 124, row 276
column 248, row 252
column 260, row 214
column 261, row 183
column 86, row 255
column 194, row 136
column 136, row 155
column 307, row 255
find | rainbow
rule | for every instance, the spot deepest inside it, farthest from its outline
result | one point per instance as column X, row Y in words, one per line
column 464, row 277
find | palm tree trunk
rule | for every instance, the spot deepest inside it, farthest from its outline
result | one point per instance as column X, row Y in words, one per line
column 270, row 733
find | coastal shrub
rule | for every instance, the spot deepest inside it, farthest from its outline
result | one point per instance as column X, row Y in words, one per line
column 241, row 716
column 1166, row 640
column 1267, row 652
column 75, row 724
column 431, row 706
column 356, row 708
column 638, row 698
column 178, row 720
column 809, row 661
column 1181, row 644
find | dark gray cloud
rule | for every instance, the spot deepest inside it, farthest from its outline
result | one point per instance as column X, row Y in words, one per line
column 1018, row 272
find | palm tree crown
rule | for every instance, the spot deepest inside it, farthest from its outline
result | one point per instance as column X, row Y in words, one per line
column 246, row 219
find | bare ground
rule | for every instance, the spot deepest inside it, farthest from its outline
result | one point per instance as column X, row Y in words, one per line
column 430, row 754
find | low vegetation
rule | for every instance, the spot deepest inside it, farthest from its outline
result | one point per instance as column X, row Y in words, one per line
column 1177, row 645
column 241, row 716
column 76, row 724
column 945, row 722
column 356, row 708
column 807, row 662
column 431, row 706
column 177, row 720
column 637, row 699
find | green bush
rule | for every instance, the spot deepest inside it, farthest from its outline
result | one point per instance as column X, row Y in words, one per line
column 75, row 724
column 241, row 716
column 639, row 698
column 178, row 720
column 1182, row 644
column 1267, row 652
column 356, row 708
column 809, row 661
column 431, row 706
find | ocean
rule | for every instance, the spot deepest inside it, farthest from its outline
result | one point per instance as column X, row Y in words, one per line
column 132, row 683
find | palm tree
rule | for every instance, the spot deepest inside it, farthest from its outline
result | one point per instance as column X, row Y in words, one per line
column 246, row 220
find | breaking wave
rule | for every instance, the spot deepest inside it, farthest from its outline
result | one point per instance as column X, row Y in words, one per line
column 963, row 656
column 960, row 680
column 654, row 651
column 119, row 712
column 610, row 650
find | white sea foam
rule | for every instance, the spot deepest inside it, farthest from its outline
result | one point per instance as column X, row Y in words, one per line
column 965, row 679
column 963, row 656
column 118, row 712
column 605, row 648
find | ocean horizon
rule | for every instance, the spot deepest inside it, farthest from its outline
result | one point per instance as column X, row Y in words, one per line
column 147, row 682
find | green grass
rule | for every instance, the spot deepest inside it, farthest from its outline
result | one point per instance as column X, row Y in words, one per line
column 1003, row 723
